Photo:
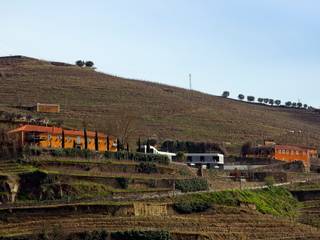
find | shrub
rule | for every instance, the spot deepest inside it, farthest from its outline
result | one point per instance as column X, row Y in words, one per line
column 139, row 157
column 241, row 97
column 57, row 152
column 269, row 180
column 225, row 94
column 192, row 185
column 123, row 182
column 80, row 63
column 147, row 168
column 180, row 157
column 250, row 98
column 186, row 206
column 141, row 235
column 274, row 200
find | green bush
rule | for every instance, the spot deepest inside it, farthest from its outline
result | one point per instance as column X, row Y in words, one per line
column 123, row 182
column 141, row 235
column 147, row 168
column 192, row 185
column 72, row 152
column 139, row 157
column 274, row 200
column 191, row 205
column 269, row 180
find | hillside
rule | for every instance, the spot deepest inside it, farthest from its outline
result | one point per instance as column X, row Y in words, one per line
column 107, row 103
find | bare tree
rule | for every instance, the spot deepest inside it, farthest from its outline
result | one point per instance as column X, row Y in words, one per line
column 125, row 128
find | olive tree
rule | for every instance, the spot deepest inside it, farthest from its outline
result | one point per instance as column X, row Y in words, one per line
column 225, row 94
column 241, row 97
column 251, row 98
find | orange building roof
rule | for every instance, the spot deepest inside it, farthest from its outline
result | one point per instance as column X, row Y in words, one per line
column 293, row 147
column 54, row 131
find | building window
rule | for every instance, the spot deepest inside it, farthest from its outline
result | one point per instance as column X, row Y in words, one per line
column 49, row 136
column 78, row 141
column 202, row 158
column 189, row 159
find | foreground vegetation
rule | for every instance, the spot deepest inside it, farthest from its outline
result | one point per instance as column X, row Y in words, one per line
column 273, row 200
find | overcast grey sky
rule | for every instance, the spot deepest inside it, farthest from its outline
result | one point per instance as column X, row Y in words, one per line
column 265, row 48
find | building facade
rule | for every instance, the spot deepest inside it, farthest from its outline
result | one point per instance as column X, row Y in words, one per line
column 54, row 137
column 288, row 153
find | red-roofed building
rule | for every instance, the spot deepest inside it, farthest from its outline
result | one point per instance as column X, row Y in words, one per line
column 51, row 137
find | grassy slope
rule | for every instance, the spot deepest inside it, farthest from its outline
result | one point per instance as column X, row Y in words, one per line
column 158, row 110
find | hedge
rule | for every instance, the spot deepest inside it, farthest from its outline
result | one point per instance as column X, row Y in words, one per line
column 141, row 235
column 191, row 205
column 192, row 185
column 147, row 168
column 136, row 156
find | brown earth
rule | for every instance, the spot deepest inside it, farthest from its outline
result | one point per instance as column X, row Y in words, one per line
column 106, row 102
column 226, row 223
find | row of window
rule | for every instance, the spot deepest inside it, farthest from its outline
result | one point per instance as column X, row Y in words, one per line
column 292, row 152
column 69, row 139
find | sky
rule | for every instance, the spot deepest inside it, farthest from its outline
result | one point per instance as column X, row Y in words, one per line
column 263, row 48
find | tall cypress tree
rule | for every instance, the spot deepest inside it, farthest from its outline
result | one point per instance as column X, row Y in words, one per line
column 118, row 145
column 63, row 139
column 108, row 142
column 148, row 145
column 85, row 138
column 139, row 145
column 96, row 141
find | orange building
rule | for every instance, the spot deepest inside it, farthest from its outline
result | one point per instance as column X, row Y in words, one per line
column 288, row 153
column 51, row 137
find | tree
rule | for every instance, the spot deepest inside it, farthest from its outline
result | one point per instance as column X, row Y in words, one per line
column 250, row 98
column 63, row 139
column 89, row 64
column 266, row 100
column 85, row 138
column 96, row 141
column 278, row 102
column 260, row 100
column 225, row 94
column 271, row 102
column 245, row 149
column 294, row 104
column 305, row 106
column 299, row 105
column 288, row 104
column 80, row 63
column 241, row 97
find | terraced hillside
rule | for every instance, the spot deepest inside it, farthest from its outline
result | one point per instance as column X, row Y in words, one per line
column 107, row 103
column 222, row 223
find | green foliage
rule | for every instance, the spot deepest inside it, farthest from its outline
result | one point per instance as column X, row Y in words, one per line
column 80, row 63
column 192, row 185
column 269, row 180
column 191, row 147
column 274, row 200
column 32, row 150
column 180, row 157
column 72, row 152
column 123, row 182
column 191, row 205
column 141, row 235
column 95, row 235
column 147, row 168
column 140, row 157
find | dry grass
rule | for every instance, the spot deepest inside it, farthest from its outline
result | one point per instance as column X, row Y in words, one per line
column 160, row 111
